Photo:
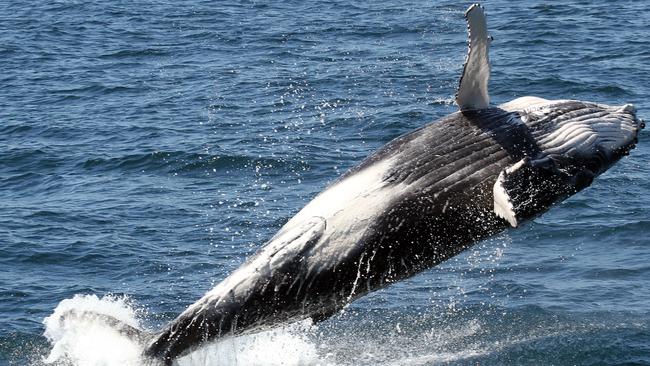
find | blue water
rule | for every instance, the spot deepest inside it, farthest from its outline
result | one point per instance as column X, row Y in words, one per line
column 146, row 149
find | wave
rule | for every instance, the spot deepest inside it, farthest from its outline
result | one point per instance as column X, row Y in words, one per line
column 587, row 87
column 15, row 128
column 184, row 163
column 145, row 52
column 93, row 89
column 22, row 158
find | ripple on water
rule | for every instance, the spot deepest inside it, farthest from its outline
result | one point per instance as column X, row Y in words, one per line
column 149, row 149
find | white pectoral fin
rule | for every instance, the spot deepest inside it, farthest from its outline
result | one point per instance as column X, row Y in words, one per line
column 503, row 203
column 473, row 86
column 528, row 188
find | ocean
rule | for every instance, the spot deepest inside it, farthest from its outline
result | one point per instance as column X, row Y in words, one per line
column 148, row 148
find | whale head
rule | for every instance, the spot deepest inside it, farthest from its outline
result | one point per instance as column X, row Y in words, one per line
column 559, row 146
column 571, row 143
column 583, row 138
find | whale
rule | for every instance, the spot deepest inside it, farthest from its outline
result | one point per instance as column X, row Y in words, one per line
column 421, row 199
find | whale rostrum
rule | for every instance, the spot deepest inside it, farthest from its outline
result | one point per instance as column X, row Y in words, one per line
column 419, row 200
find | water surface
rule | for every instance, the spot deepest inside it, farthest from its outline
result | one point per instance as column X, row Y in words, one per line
column 146, row 149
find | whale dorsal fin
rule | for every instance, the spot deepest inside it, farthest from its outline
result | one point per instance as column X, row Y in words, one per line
column 473, row 86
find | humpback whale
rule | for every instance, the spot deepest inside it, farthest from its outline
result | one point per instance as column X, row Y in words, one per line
column 419, row 200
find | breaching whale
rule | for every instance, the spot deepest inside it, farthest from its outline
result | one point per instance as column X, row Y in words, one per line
column 419, row 200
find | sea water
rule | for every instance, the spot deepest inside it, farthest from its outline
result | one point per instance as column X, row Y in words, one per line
column 148, row 148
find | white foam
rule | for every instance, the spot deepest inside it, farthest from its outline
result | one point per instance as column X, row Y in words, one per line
column 285, row 346
column 80, row 340
column 83, row 340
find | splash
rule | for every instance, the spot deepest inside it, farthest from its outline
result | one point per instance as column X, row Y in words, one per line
column 81, row 336
column 89, row 340
column 285, row 346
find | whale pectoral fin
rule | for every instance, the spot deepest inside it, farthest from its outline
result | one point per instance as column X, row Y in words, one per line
column 527, row 188
column 473, row 86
